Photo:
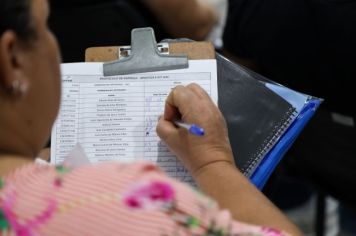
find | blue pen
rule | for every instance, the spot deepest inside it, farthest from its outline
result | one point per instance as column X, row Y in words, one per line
column 192, row 128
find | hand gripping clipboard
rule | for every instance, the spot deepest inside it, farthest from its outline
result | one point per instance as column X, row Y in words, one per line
column 256, row 116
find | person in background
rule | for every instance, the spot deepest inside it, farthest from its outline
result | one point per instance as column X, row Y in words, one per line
column 187, row 18
column 111, row 198
column 79, row 24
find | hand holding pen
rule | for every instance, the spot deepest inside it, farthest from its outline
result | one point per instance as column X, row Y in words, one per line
column 202, row 138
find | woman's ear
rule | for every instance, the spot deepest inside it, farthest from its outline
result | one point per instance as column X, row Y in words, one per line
column 12, row 75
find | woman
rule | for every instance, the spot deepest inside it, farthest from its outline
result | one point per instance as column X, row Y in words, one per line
column 110, row 198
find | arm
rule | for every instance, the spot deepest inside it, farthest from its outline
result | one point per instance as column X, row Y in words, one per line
column 247, row 204
column 184, row 18
column 209, row 158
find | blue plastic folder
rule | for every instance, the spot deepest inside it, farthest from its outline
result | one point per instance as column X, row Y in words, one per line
column 271, row 160
column 263, row 118
column 305, row 107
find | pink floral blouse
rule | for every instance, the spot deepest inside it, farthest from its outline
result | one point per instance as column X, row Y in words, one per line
column 110, row 199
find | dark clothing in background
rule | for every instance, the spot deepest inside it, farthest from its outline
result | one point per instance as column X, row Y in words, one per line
column 310, row 46
column 325, row 154
column 79, row 24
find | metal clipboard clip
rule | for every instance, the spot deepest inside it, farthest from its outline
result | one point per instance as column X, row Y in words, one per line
column 144, row 56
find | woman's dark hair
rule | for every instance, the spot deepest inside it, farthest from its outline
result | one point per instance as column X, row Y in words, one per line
column 16, row 15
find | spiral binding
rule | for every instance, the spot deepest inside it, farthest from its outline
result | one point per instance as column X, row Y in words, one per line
column 270, row 141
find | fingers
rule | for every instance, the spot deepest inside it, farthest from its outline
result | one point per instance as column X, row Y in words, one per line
column 171, row 112
column 182, row 99
column 179, row 101
column 166, row 129
column 199, row 91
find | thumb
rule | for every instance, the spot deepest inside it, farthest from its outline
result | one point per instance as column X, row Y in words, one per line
column 166, row 130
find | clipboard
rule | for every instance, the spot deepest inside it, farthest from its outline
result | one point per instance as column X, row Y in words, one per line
column 258, row 142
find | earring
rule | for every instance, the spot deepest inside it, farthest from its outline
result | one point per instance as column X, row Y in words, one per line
column 18, row 88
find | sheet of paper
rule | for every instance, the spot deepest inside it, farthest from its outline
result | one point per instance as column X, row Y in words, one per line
column 114, row 118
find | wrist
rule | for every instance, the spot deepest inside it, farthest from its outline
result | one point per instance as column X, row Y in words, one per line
column 217, row 165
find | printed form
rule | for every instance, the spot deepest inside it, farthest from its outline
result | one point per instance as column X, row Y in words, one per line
column 115, row 117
